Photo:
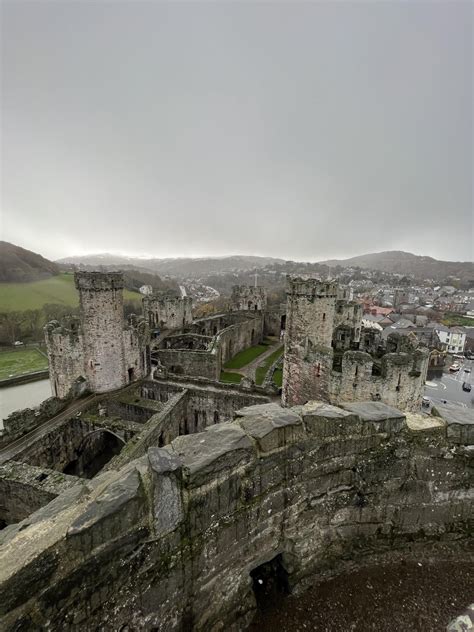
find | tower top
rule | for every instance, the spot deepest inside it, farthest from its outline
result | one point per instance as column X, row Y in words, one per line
column 312, row 287
column 99, row 281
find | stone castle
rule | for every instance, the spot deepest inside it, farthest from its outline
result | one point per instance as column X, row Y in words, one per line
column 98, row 353
column 330, row 357
column 160, row 498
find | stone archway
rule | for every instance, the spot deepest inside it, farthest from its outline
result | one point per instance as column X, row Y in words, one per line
column 95, row 450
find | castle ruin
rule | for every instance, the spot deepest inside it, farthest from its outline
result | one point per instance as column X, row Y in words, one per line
column 157, row 502
column 326, row 358
column 98, row 352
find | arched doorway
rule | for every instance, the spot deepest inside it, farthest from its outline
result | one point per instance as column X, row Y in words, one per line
column 95, row 450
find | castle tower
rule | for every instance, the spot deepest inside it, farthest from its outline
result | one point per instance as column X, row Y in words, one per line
column 101, row 305
column 168, row 312
column 248, row 298
column 308, row 356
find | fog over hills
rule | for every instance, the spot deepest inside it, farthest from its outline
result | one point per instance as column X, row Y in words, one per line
column 406, row 263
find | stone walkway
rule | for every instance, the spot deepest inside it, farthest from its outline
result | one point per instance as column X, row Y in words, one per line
column 249, row 369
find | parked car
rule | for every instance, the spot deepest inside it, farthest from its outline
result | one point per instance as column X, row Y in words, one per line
column 467, row 370
column 425, row 401
column 454, row 367
column 17, row 343
column 466, row 387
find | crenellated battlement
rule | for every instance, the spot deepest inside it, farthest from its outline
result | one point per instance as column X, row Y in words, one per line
column 98, row 281
column 248, row 298
column 310, row 287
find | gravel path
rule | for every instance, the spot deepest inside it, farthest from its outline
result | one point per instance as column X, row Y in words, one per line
column 403, row 597
column 249, row 369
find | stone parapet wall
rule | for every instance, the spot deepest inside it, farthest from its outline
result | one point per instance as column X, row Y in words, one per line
column 22, row 421
column 169, row 541
column 25, row 488
column 400, row 384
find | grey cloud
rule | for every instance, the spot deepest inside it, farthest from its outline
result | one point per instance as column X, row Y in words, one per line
column 304, row 131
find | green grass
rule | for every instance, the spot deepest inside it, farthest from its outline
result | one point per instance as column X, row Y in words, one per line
column 246, row 356
column 452, row 320
column 278, row 377
column 262, row 370
column 230, row 378
column 21, row 362
column 58, row 289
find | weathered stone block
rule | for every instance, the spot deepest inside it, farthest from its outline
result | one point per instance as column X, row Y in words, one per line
column 113, row 512
column 382, row 418
column 218, row 449
column 166, row 467
column 273, row 431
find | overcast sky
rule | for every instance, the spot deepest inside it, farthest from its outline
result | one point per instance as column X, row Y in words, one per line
column 302, row 131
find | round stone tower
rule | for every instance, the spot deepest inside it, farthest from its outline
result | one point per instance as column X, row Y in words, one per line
column 101, row 304
column 311, row 306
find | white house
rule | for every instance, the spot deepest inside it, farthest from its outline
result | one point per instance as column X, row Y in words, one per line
column 146, row 290
column 454, row 338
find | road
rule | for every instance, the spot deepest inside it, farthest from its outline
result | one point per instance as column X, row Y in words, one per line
column 449, row 386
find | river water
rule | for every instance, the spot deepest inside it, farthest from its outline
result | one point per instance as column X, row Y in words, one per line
column 22, row 396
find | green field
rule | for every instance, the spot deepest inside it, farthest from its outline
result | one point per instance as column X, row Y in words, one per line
column 230, row 378
column 263, row 369
column 58, row 289
column 20, row 362
column 246, row 356
column 452, row 320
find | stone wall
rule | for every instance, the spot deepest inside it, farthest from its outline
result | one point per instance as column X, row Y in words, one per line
column 169, row 541
column 199, row 354
column 189, row 362
column 64, row 444
column 97, row 352
column 168, row 313
column 238, row 337
column 101, row 305
column 400, row 383
column 22, row 421
column 136, row 347
column 248, row 298
column 275, row 321
column 311, row 306
column 24, row 489
column 65, row 348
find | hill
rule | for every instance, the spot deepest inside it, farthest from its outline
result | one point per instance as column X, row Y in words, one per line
column 185, row 267
column 18, row 265
column 408, row 264
column 58, row 290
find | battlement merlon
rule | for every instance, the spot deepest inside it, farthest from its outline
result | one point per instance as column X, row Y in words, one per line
column 98, row 281
column 311, row 287
column 67, row 327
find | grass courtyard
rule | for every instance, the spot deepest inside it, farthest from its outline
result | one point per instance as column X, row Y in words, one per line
column 262, row 370
column 230, row 378
column 19, row 362
column 246, row 356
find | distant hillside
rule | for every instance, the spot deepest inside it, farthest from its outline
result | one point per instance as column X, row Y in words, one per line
column 181, row 268
column 409, row 264
column 58, row 290
column 18, row 265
